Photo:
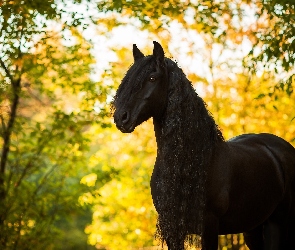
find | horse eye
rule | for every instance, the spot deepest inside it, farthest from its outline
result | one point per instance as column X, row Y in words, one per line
column 152, row 79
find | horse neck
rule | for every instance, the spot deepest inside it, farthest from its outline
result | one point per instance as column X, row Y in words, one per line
column 186, row 126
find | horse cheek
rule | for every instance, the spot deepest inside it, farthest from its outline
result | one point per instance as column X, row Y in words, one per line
column 155, row 100
column 159, row 103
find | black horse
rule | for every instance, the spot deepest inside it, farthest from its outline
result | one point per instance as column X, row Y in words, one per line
column 201, row 184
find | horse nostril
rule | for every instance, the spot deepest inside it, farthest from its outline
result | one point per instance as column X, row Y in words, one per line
column 125, row 117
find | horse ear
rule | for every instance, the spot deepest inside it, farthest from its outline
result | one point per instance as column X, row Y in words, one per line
column 137, row 54
column 158, row 53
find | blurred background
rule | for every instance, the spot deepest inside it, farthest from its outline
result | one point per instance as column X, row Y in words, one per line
column 68, row 178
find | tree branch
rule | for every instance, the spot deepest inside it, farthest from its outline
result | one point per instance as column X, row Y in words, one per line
column 2, row 125
column 7, row 136
column 6, row 70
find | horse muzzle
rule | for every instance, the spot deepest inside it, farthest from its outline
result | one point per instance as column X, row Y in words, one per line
column 123, row 122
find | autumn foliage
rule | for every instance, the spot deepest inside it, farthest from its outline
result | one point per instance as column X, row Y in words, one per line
column 68, row 178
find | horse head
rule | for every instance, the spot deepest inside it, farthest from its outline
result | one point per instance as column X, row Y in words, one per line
column 143, row 91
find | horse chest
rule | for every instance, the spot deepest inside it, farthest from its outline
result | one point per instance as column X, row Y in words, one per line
column 156, row 180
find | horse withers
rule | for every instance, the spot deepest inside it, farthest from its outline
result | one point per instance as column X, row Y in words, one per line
column 201, row 184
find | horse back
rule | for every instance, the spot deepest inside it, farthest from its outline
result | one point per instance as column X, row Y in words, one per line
column 267, row 148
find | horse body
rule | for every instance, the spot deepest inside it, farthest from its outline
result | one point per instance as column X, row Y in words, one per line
column 202, row 184
column 250, row 171
column 250, row 183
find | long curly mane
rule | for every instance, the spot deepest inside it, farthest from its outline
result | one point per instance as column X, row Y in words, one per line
column 186, row 143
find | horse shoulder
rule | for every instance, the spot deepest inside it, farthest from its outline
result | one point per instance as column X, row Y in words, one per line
column 218, row 186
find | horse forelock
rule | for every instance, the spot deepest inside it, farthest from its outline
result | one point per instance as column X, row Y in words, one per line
column 188, row 138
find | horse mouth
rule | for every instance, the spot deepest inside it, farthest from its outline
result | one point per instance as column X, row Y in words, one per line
column 125, row 129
